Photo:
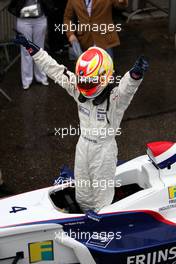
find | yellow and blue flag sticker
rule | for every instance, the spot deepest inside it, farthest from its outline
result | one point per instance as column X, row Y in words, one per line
column 41, row 251
column 172, row 192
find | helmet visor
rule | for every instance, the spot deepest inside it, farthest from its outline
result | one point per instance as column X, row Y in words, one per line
column 88, row 86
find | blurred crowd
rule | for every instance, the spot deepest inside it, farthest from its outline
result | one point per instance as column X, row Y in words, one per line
column 73, row 24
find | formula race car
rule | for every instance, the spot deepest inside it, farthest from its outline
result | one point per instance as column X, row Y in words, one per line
column 47, row 225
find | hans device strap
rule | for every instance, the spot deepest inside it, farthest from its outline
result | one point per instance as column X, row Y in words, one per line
column 100, row 98
column 105, row 95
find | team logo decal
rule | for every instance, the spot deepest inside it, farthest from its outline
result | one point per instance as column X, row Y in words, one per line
column 172, row 192
column 41, row 251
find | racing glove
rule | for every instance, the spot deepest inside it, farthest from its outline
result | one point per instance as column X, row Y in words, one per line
column 139, row 68
column 29, row 45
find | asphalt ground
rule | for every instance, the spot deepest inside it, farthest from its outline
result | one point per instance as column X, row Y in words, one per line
column 31, row 154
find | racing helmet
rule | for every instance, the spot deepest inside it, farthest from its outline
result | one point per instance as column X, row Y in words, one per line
column 94, row 69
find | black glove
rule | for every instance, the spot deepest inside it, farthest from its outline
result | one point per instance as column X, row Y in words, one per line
column 139, row 68
column 29, row 45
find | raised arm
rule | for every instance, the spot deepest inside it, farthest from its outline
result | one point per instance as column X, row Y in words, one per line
column 126, row 90
column 130, row 83
column 46, row 63
column 57, row 72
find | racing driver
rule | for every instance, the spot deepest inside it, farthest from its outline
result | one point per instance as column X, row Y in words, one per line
column 101, row 106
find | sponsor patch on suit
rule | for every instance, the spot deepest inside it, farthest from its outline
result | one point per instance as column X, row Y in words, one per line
column 101, row 114
column 84, row 110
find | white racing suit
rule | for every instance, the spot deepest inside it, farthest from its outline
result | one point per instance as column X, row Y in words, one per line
column 96, row 150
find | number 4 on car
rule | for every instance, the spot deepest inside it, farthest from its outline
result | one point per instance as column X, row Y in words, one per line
column 49, row 227
column 16, row 209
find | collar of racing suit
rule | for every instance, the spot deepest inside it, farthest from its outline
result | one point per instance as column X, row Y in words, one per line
column 105, row 95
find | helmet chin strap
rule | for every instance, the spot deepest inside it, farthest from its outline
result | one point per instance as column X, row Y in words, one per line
column 81, row 98
column 105, row 95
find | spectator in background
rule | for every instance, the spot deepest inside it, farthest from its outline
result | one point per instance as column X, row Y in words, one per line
column 91, row 12
column 32, row 22
column 56, row 39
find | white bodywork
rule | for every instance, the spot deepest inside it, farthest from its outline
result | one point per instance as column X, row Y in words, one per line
column 16, row 237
